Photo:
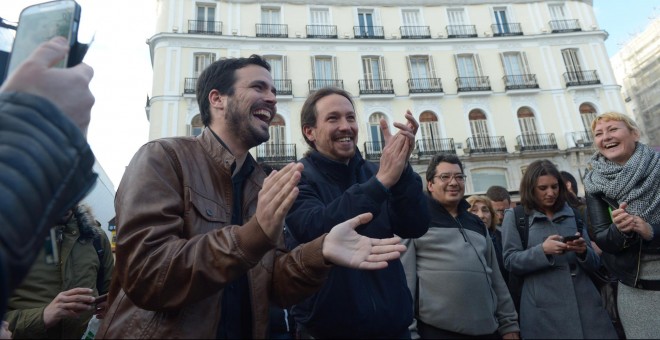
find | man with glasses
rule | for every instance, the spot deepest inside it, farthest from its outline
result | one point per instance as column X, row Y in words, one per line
column 501, row 201
column 452, row 270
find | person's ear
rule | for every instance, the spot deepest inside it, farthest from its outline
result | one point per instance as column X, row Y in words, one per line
column 217, row 100
column 310, row 133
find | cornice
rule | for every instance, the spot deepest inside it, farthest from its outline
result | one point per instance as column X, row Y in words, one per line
column 407, row 3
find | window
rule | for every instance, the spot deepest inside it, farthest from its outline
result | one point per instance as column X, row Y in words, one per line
column 572, row 63
column 202, row 61
column 205, row 17
column 196, row 126
column 324, row 67
column 469, row 72
column 557, row 11
column 456, row 17
column 276, row 143
column 588, row 114
column 428, row 125
column 374, row 71
column 514, row 63
column 320, row 16
column 501, row 21
column 366, row 22
column 420, row 67
column 375, row 133
column 482, row 179
column 278, row 66
column 479, row 129
column 526, row 121
column 411, row 17
column 270, row 15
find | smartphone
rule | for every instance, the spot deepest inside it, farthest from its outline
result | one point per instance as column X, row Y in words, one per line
column 41, row 22
column 570, row 238
column 101, row 299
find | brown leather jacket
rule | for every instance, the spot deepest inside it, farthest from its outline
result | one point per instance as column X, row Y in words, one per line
column 176, row 250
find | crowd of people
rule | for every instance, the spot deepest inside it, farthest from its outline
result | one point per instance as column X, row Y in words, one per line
column 211, row 244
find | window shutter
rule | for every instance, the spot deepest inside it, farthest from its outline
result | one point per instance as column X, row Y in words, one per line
column 477, row 64
column 285, row 68
column 525, row 63
column 503, row 61
column 335, row 71
column 381, row 64
column 431, row 67
column 410, row 74
column 313, row 61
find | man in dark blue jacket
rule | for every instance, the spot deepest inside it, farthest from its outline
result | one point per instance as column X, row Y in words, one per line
column 338, row 183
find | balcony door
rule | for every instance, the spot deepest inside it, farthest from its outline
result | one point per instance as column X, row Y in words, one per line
column 430, row 133
column 275, row 146
column 205, row 18
column 587, row 114
column 469, row 68
column 270, row 16
column 527, row 124
column 366, row 22
column 375, row 133
column 324, row 70
column 501, row 20
column 456, row 17
column 374, row 72
column 421, row 72
column 479, row 129
column 278, row 67
column 515, row 68
column 202, row 61
column 572, row 63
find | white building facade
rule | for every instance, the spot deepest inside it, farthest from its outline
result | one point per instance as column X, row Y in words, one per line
column 499, row 83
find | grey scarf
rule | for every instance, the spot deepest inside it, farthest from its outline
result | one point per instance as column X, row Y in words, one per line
column 637, row 182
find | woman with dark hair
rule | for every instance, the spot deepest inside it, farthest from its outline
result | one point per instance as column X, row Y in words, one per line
column 624, row 178
column 558, row 299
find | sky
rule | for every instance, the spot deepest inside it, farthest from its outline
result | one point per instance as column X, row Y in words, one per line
column 123, row 73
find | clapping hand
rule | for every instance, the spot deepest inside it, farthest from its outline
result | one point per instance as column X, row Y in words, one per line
column 343, row 246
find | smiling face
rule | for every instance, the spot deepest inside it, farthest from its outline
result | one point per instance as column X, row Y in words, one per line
column 336, row 130
column 481, row 209
column 615, row 140
column 450, row 193
column 546, row 192
column 249, row 110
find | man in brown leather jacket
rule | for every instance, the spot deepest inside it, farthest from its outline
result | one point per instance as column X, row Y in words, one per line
column 199, row 245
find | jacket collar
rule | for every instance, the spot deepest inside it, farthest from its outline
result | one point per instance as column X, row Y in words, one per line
column 218, row 151
column 337, row 170
column 463, row 206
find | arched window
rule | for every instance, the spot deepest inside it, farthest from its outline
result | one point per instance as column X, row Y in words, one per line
column 196, row 126
column 375, row 134
column 479, row 129
column 528, row 126
column 588, row 114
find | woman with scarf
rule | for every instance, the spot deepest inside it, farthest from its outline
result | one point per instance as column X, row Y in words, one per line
column 623, row 204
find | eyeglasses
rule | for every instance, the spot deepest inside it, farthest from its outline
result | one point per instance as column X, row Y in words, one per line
column 445, row 178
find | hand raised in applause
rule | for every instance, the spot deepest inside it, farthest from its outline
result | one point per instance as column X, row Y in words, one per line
column 397, row 150
column 343, row 246
column 276, row 197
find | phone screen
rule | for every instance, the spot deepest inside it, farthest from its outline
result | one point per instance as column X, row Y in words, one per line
column 41, row 22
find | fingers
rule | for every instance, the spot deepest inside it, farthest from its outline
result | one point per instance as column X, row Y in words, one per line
column 50, row 53
column 85, row 71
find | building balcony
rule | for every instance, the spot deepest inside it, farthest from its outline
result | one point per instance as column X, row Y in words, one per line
column 485, row 145
column 563, row 26
column 283, row 87
column 581, row 78
column 368, row 32
column 536, row 142
column 376, row 86
column 272, row 31
column 582, row 139
column 424, row 85
column 505, row 30
column 322, row 31
column 520, row 82
column 462, row 31
column 276, row 153
column 205, row 27
column 432, row 147
column 316, row 84
column 470, row 84
column 189, row 85
column 415, row 32
column 373, row 150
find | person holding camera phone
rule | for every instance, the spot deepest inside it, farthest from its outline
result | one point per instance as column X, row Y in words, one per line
column 558, row 299
column 45, row 160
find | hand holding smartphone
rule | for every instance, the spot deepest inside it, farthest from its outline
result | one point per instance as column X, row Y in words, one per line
column 570, row 238
column 41, row 22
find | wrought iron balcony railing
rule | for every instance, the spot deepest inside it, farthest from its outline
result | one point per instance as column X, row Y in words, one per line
column 581, row 78
column 503, row 30
column 315, row 84
column 562, row 26
column 431, row 147
column 537, row 141
column 424, row 85
column 467, row 84
column 415, row 32
column 189, row 85
column 205, row 27
column 276, row 153
column 490, row 144
column 376, row 86
column 582, row 139
column 461, row 31
column 520, row 81
column 373, row 150
column 283, row 87
column 272, row 30
column 368, row 32
column 322, row 31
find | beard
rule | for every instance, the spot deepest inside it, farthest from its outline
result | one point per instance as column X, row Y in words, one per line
column 242, row 124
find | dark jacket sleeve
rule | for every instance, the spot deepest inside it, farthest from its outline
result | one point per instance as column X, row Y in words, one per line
column 409, row 208
column 607, row 236
column 45, row 168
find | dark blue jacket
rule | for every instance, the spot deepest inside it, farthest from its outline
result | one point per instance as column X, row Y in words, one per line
column 357, row 303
